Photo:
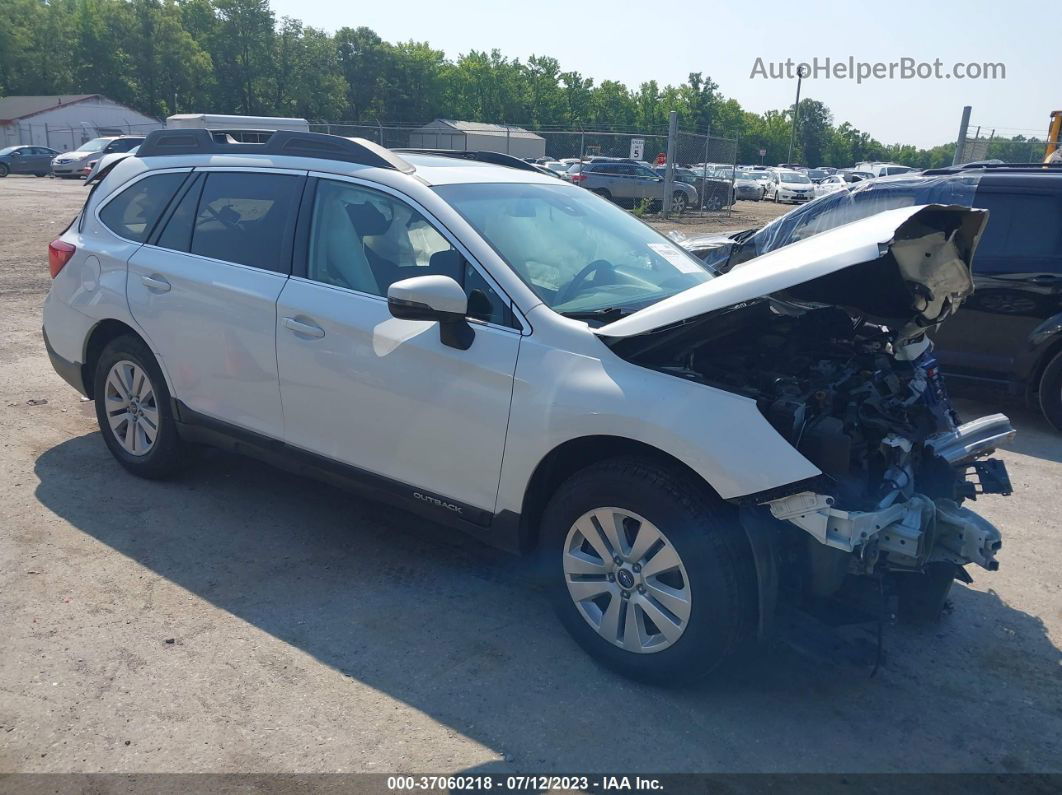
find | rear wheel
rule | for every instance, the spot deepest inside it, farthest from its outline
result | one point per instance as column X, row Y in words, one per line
column 133, row 410
column 41, row 174
column 647, row 570
column 4, row 170
column 1051, row 392
column 714, row 203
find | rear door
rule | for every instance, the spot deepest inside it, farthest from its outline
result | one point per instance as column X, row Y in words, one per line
column 204, row 290
column 1017, row 276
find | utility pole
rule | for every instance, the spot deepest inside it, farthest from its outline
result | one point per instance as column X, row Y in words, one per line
column 669, row 167
column 960, row 143
column 796, row 114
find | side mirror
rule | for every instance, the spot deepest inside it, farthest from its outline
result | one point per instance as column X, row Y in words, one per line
column 17, row 153
column 435, row 298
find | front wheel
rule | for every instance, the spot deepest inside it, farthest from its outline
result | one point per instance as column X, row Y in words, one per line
column 4, row 170
column 647, row 570
column 679, row 202
column 1051, row 392
column 133, row 410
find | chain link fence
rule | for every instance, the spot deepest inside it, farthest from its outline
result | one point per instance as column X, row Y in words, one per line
column 67, row 138
column 704, row 161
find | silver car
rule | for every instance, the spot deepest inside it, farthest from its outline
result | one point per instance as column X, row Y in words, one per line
column 72, row 164
column 627, row 182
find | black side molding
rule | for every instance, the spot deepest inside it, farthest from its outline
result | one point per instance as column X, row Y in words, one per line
column 201, row 429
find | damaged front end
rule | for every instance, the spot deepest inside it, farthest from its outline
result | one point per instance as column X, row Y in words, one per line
column 836, row 355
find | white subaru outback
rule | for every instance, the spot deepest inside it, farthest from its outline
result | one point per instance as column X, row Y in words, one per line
column 514, row 356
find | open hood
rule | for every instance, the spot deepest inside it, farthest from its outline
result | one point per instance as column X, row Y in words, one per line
column 908, row 268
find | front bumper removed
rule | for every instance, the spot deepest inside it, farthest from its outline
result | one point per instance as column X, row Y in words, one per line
column 918, row 529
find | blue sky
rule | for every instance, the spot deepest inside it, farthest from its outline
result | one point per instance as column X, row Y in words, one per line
column 614, row 41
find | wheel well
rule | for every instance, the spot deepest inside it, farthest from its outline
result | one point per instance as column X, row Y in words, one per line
column 565, row 460
column 103, row 333
column 1053, row 350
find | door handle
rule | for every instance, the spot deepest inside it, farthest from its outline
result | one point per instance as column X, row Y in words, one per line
column 305, row 329
column 156, row 283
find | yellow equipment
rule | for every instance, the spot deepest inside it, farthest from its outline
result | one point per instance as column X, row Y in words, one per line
column 1054, row 131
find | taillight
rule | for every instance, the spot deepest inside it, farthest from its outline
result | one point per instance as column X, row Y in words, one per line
column 59, row 253
column 578, row 177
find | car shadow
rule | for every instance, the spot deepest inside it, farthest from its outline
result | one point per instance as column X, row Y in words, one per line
column 459, row 632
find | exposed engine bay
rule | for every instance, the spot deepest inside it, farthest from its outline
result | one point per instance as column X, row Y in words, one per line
column 872, row 415
column 829, row 335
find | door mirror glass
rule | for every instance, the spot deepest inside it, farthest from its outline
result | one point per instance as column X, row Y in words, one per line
column 433, row 298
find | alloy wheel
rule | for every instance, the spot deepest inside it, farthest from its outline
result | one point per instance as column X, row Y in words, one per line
column 627, row 580
column 132, row 411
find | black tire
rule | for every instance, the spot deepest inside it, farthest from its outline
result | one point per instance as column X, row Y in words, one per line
column 704, row 532
column 921, row 597
column 4, row 170
column 1051, row 392
column 169, row 453
column 604, row 194
column 41, row 174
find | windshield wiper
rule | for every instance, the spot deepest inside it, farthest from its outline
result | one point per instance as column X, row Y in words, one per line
column 605, row 313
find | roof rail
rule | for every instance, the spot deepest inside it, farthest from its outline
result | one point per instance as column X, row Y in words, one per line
column 497, row 158
column 290, row 143
column 994, row 167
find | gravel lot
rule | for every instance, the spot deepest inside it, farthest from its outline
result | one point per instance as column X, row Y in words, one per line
column 243, row 620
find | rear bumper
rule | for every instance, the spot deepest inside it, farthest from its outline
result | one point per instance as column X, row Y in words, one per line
column 71, row 372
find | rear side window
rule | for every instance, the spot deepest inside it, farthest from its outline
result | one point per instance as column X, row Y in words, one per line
column 133, row 212
column 1021, row 226
column 247, row 218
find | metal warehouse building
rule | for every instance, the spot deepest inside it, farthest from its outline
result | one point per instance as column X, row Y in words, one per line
column 66, row 122
column 474, row 136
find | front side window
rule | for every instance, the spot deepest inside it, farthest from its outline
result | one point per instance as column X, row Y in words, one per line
column 246, row 218
column 365, row 240
column 576, row 252
column 133, row 212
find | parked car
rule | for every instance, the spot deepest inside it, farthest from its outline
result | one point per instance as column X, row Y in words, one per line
column 750, row 185
column 94, row 167
column 1009, row 333
column 71, row 164
column 789, row 186
column 713, row 193
column 25, row 159
column 557, row 167
column 877, row 169
column 681, row 457
column 629, row 183
column 831, row 184
column 816, row 174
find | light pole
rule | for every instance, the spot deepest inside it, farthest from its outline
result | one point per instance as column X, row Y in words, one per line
column 801, row 74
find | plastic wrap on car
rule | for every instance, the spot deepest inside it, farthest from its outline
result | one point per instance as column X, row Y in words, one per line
column 862, row 200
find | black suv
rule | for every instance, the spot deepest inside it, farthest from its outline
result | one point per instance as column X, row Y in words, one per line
column 1009, row 332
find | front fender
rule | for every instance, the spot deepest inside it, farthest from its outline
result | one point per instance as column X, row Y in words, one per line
column 561, row 395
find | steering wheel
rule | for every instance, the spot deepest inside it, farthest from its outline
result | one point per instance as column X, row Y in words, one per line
column 572, row 288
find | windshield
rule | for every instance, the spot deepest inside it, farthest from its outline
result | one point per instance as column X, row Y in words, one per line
column 576, row 251
column 95, row 145
column 793, row 177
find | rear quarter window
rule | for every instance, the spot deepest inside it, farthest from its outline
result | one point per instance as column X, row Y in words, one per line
column 133, row 212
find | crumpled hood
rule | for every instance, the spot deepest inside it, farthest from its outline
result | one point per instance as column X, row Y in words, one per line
column 908, row 268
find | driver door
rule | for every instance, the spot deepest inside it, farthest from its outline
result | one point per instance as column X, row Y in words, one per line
column 383, row 395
